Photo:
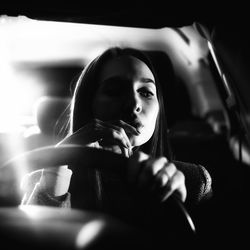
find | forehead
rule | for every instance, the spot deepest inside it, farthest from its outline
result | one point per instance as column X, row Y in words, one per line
column 127, row 66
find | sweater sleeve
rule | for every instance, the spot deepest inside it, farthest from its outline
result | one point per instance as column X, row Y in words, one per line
column 36, row 191
column 198, row 182
column 40, row 197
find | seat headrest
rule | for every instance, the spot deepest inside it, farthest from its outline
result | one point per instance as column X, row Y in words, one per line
column 49, row 110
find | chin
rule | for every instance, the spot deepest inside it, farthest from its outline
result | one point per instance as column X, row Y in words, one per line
column 137, row 141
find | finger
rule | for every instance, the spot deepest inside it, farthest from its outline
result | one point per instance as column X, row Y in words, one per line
column 114, row 148
column 124, row 151
column 127, row 127
column 160, row 180
column 127, row 153
column 111, row 137
column 81, row 136
column 169, row 169
column 120, row 130
column 86, row 134
column 162, row 177
column 149, row 171
column 176, row 185
column 108, row 131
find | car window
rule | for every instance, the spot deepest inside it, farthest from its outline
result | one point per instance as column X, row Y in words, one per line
column 207, row 106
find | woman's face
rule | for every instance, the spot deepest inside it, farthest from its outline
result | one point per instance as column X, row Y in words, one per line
column 127, row 92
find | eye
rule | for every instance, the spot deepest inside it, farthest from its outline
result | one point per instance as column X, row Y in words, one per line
column 114, row 87
column 112, row 91
column 146, row 93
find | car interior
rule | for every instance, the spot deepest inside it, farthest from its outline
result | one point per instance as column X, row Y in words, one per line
column 208, row 107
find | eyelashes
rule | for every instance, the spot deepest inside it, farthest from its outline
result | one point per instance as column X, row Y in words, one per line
column 116, row 88
column 146, row 93
column 119, row 92
column 115, row 91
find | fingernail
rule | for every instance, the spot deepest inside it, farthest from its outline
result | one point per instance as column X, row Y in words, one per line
column 131, row 152
column 138, row 132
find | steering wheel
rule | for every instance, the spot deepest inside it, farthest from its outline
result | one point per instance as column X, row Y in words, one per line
column 51, row 156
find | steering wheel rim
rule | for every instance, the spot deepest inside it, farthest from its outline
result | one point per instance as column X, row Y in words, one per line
column 69, row 154
column 74, row 153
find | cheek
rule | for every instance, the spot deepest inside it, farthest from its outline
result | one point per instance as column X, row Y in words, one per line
column 105, row 109
column 151, row 118
column 149, row 121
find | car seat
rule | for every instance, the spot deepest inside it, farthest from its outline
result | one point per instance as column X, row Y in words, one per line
column 51, row 112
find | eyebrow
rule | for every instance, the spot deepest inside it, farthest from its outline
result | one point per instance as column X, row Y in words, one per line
column 121, row 78
column 112, row 79
column 147, row 80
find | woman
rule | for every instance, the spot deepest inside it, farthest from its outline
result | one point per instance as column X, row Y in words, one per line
column 118, row 106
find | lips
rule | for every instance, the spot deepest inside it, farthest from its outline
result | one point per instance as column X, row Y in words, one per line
column 136, row 124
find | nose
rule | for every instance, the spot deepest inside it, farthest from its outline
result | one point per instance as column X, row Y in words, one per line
column 132, row 104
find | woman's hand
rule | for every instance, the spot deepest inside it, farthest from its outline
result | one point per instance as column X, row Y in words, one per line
column 156, row 177
column 110, row 136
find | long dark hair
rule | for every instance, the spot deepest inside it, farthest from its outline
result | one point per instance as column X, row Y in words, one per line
column 87, row 85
